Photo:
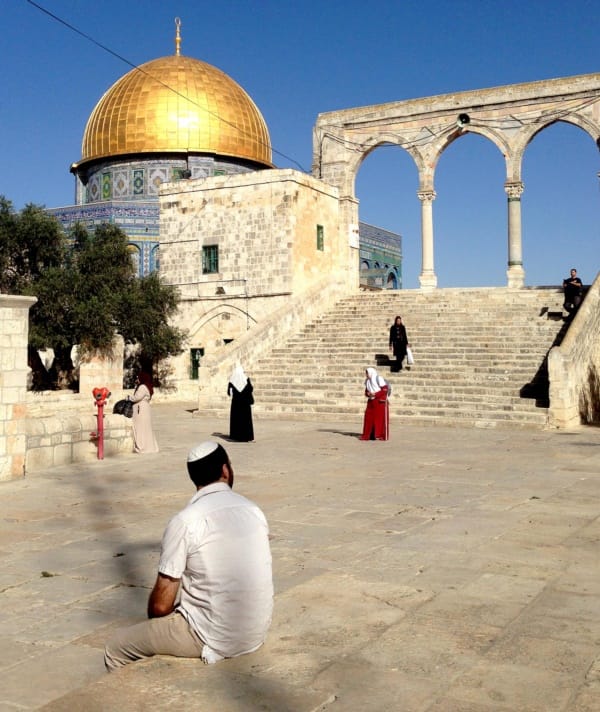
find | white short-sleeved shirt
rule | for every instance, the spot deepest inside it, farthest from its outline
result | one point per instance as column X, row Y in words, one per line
column 219, row 547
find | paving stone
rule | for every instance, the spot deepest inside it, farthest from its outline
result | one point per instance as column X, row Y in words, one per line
column 447, row 570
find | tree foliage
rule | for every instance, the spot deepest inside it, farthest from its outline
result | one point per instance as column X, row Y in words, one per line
column 30, row 242
column 86, row 289
column 145, row 312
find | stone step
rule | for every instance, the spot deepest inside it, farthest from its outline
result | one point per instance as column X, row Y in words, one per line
column 442, row 416
column 422, row 368
column 472, row 366
column 457, row 400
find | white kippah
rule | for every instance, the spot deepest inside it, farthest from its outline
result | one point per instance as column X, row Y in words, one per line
column 202, row 450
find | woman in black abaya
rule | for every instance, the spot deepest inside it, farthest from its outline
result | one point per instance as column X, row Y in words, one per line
column 398, row 343
column 240, row 416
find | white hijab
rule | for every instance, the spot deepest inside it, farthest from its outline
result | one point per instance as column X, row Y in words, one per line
column 238, row 378
column 373, row 382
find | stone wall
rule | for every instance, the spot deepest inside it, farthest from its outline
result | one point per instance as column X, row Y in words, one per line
column 574, row 368
column 41, row 430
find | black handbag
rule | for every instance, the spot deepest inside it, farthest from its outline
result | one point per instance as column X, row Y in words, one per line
column 123, row 407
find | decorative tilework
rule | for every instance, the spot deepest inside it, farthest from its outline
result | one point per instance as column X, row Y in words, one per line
column 138, row 182
column 93, row 189
column 106, row 186
column 121, row 184
column 156, row 178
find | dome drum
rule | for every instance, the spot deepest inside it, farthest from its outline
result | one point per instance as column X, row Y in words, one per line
column 140, row 177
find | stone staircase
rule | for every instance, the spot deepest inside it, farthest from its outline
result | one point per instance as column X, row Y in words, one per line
column 479, row 358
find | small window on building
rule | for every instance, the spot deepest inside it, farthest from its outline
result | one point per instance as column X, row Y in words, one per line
column 320, row 238
column 195, row 359
column 210, row 259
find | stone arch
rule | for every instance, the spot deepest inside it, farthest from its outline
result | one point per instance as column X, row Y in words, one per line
column 216, row 311
column 369, row 146
column 580, row 123
column 155, row 258
column 509, row 116
column 494, row 137
column 391, row 281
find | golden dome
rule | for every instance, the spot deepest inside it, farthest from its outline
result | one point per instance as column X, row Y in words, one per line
column 176, row 104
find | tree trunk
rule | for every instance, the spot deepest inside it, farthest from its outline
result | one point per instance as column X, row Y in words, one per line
column 40, row 378
column 63, row 369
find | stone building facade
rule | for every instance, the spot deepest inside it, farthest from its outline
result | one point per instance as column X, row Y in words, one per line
column 239, row 248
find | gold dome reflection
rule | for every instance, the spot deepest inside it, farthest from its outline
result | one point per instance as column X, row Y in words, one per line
column 176, row 104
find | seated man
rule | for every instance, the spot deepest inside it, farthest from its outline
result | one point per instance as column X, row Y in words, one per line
column 215, row 555
column 573, row 289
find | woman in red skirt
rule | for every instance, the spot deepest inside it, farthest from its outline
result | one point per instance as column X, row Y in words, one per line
column 377, row 418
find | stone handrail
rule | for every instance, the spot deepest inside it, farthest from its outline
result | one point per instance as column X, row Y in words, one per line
column 215, row 370
column 574, row 367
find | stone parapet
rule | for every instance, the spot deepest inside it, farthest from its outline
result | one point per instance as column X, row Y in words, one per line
column 574, row 367
column 271, row 332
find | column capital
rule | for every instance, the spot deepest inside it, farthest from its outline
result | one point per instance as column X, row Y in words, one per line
column 514, row 189
column 424, row 195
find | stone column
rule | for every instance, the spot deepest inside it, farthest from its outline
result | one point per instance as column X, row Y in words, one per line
column 515, row 273
column 14, row 331
column 427, row 278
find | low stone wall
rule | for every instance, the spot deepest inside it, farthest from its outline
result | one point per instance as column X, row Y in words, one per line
column 574, row 368
column 58, row 430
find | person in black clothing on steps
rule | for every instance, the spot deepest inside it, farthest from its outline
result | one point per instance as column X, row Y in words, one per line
column 398, row 343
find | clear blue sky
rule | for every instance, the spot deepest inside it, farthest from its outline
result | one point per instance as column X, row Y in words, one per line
column 298, row 59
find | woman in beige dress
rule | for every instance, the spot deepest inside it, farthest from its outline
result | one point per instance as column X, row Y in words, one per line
column 143, row 435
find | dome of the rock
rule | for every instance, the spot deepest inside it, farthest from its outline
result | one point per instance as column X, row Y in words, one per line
column 176, row 105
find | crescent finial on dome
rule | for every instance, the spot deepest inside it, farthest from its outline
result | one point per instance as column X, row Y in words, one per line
column 177, row 36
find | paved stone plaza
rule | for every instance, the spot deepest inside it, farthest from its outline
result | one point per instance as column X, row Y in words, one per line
column 447, row 570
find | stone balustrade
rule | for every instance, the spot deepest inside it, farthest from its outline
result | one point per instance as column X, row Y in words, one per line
column 574, row 367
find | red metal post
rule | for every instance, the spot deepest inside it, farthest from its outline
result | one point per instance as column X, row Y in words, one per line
column 101, row 395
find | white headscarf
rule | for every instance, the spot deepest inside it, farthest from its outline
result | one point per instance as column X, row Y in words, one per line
column 238, row 378
column 373, row 382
